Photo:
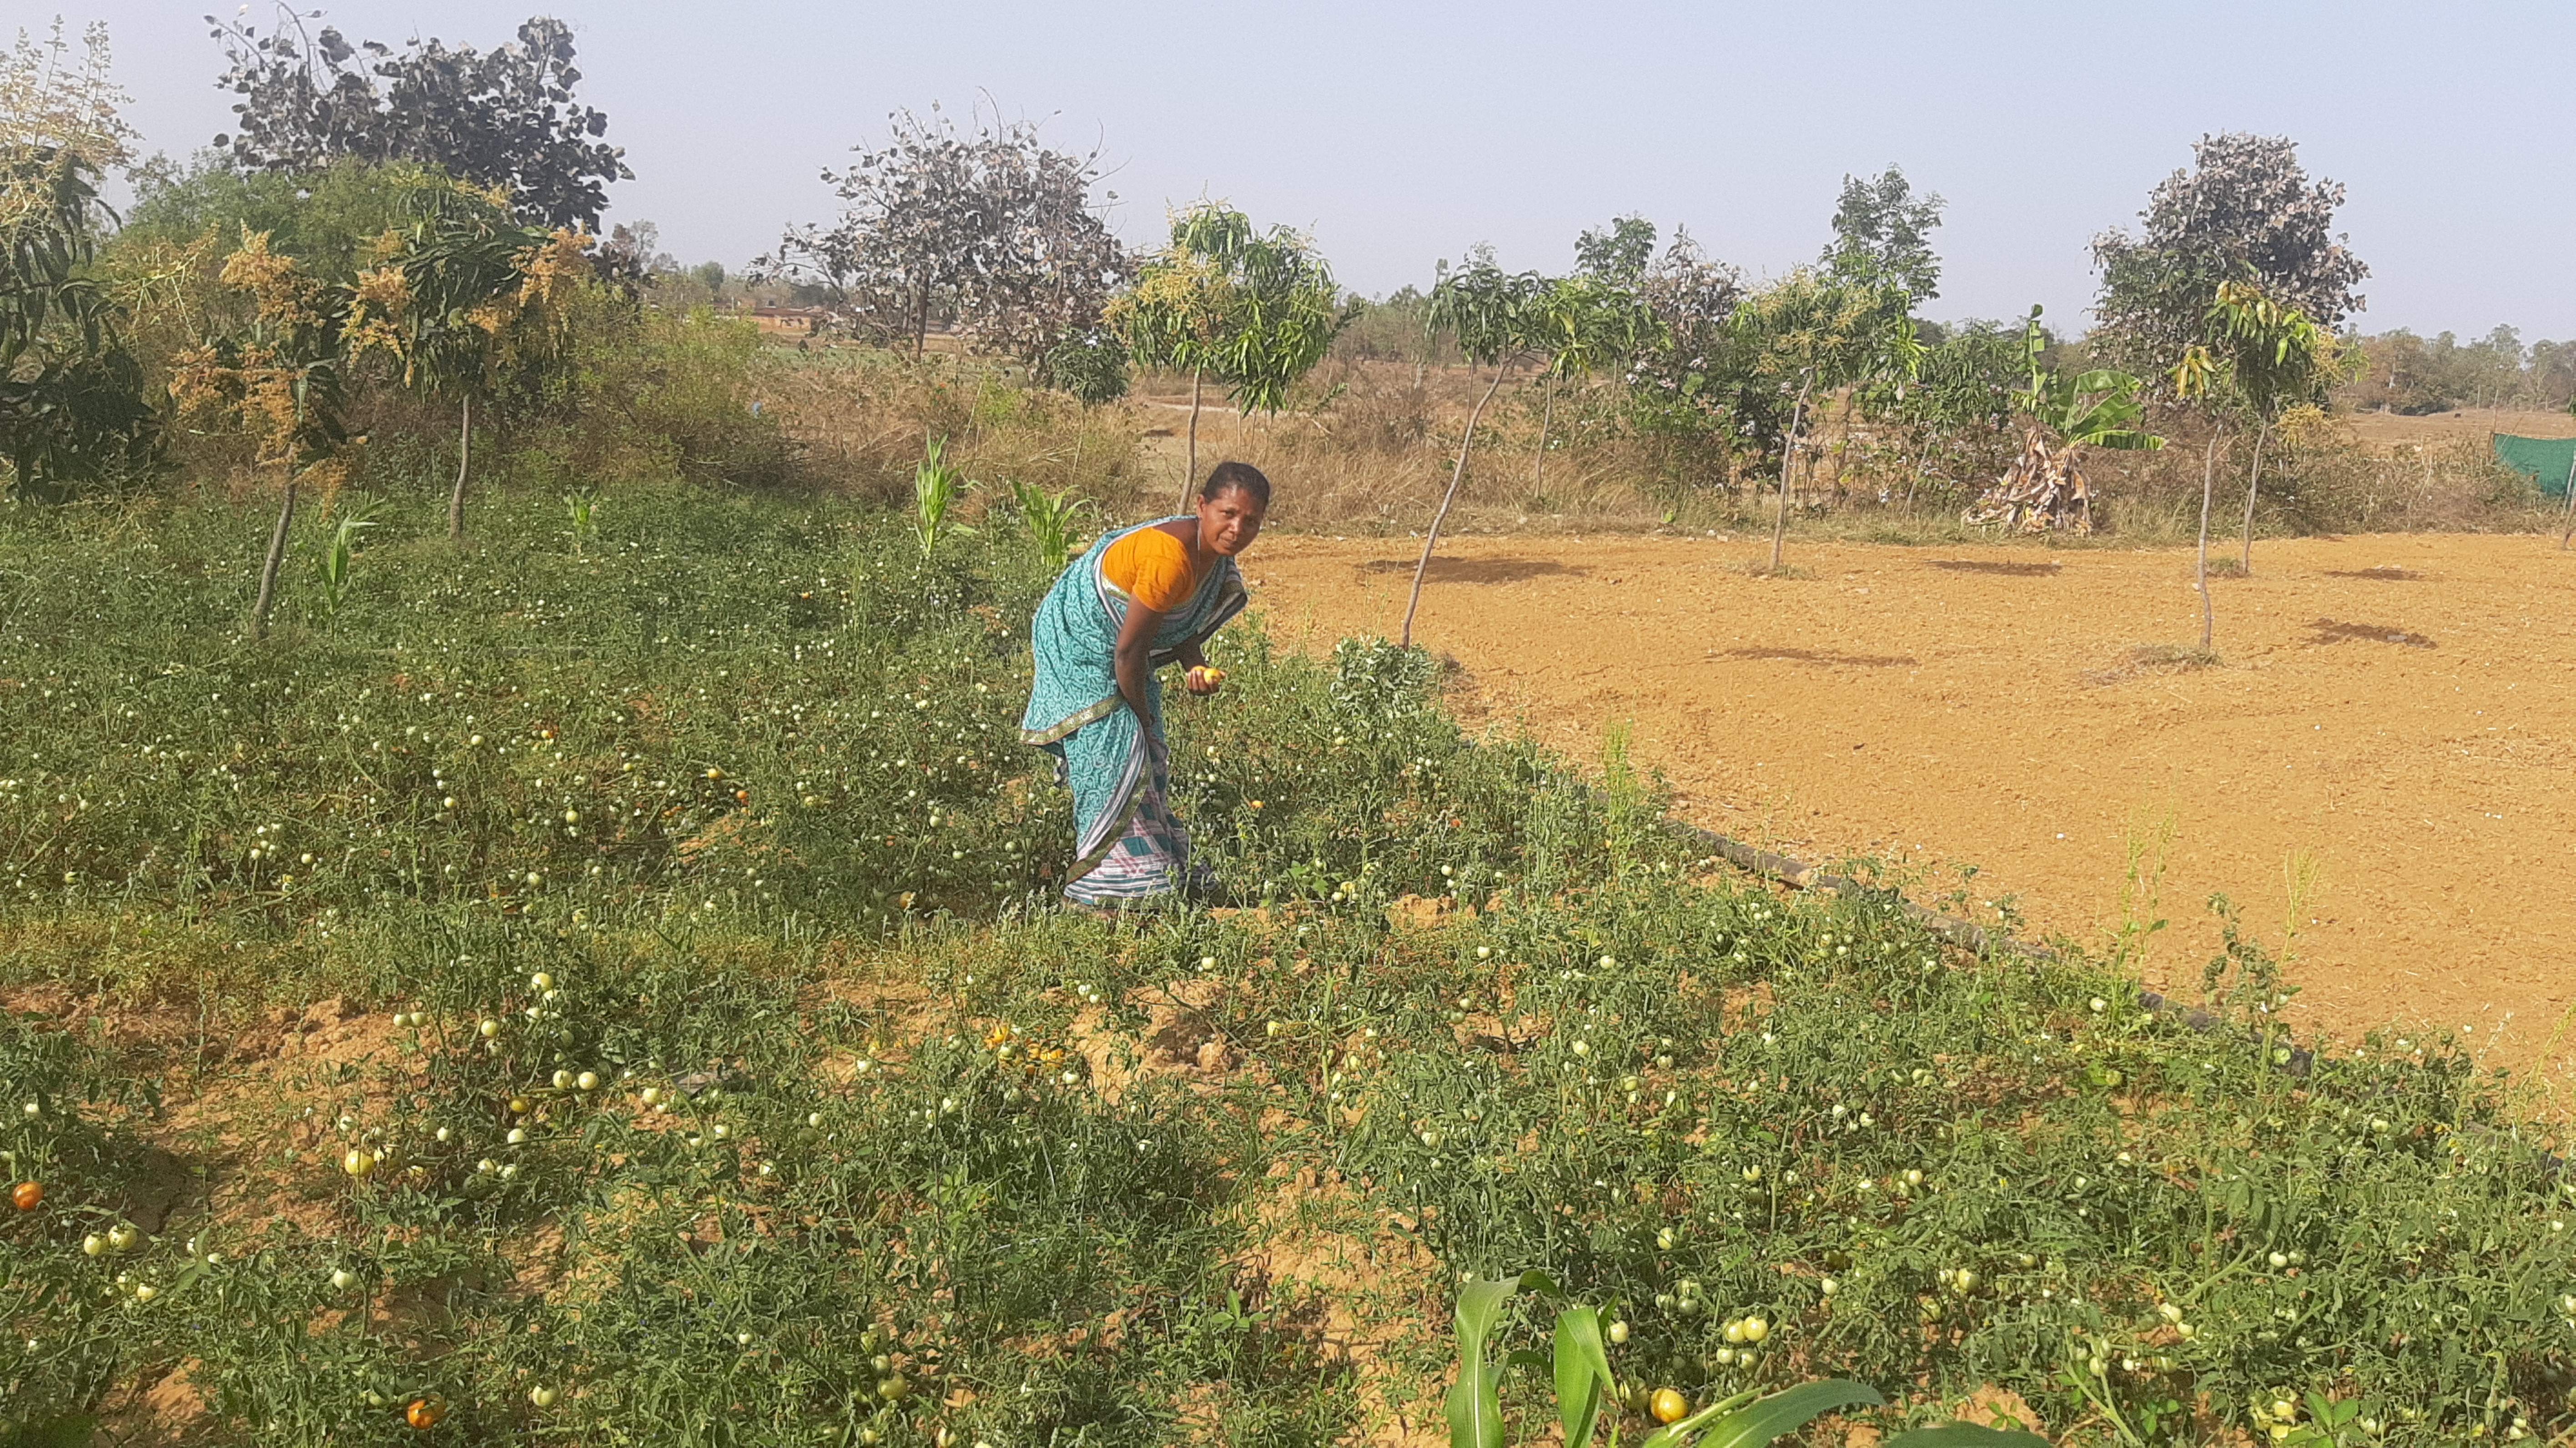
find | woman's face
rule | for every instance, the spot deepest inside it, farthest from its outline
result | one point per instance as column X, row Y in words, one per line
column 1230, row 521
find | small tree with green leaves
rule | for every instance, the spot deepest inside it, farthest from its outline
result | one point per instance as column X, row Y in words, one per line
column 1493, row 315
column 1582, row 324
column 1809, row 334
column 282, row 377
column 462, row 298
column 2271, row 357
column 1255, row 310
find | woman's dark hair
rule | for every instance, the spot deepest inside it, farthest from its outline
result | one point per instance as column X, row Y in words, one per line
column 1235, row 475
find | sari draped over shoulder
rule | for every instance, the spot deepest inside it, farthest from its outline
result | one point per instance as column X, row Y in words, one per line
column 1127, row 843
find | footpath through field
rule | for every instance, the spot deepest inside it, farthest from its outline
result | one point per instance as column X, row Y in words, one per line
column 2400, row 707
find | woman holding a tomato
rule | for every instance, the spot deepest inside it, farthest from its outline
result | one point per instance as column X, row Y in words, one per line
column 1138, row 599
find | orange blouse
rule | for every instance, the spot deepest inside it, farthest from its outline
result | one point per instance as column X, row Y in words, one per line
column 1151, row 567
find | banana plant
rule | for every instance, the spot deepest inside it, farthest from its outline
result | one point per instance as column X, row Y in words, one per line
column 1580, row 1367
column 2096, row 408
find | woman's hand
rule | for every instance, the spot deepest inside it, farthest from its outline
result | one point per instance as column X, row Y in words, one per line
column 1203, row 680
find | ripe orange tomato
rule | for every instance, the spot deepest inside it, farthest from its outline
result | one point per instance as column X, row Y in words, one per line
column 27, row 1196
column 425, row 1412
column 1669, row 1406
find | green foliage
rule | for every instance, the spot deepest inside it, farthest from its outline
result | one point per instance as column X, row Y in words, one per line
column 742, row 784
column 2267, row 356
column 1492, row 314
column 1049, row 520
column 936, row 488
column 1618, row 255
column 992, row 230
column 503, row 118
column 1581, row 1369
column 1092, row 365
column 1586, row 323
column 1375, row 679
column 330, row 218
column 2246, row 212
column 334, row 567
column 581, row 510
column 633, row 394
column 2399, row 371
column 72, row 408
column 2094, row 409
column 1883, row 238
column 1256, row 310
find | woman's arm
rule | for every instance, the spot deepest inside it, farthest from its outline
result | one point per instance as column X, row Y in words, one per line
column 1135, row 658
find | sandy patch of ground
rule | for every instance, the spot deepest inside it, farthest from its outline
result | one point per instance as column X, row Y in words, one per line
column 2400, row 707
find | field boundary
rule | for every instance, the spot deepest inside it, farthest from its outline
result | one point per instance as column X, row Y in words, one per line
column 1965, row 934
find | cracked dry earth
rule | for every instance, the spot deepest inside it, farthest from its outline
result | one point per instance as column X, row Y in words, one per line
column 2399, row 709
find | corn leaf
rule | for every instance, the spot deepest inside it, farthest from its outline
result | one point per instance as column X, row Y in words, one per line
column 1582, row 1373
column 1963, row 1435
column 1474, row 1406
column 1759, row 1422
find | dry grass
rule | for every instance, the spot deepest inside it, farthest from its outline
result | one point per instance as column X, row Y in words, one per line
column 1367, row 448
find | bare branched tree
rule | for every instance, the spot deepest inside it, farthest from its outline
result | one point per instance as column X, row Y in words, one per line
column 991, row 231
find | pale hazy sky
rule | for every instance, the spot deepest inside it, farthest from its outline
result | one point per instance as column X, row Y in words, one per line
column 1401, row 133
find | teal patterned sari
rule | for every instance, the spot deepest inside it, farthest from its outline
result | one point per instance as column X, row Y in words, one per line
column 1128, row 845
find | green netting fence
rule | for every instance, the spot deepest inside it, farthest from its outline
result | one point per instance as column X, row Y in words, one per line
column 2545, row 460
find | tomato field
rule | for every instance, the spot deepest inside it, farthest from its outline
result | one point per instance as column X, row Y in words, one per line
column 600, row 985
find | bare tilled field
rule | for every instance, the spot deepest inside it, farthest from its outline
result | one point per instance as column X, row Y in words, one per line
column 2395, row 709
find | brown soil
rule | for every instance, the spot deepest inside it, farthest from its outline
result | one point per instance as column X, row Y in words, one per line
column 2389, row 429
column 2403, row 708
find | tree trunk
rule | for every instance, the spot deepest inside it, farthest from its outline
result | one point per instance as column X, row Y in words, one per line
column 1842, row 446
column 1546, row 419
column 1916, row 476
column 1788, row 453
column 2208, row 486
column 1432, row 537
column 2253, row 480
column 276, row 557
column 1190, row 470
column 2571, row 507
column 464, row 451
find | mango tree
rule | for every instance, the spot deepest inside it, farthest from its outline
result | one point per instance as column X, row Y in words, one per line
column 72, row 407
column 1808, row 334
column 1494, row 315
column 282, row 377
column 464, row 298
column 1583, row 323
column 2272, row 356
column 1257, row 310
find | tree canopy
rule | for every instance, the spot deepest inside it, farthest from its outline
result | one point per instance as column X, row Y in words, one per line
column 2245, row 212
column 71, row 393
column 504, row 117
column 1883, row 237
column 991, row 230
